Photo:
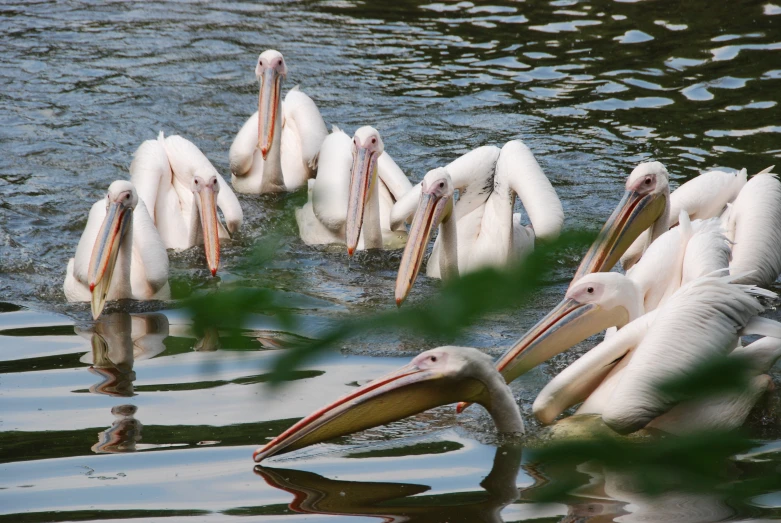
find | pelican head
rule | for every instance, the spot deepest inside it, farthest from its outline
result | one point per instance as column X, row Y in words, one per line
column 270, row 72
column 645, row 201
column 367, row 149
column 205, row 189
column 436, row 377
column 434, row 206
column 597, row 301
column 120, row 202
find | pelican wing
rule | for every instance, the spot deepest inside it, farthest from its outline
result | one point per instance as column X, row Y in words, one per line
column 149, row 266
column 706, row 195
column 754, row 225
column 150, row 172
column 331, row 187
column 698, row 322
column 517, row 165
column 243, row 148
column 302, row 113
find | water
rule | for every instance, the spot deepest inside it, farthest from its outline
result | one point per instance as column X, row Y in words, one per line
column 592, row 87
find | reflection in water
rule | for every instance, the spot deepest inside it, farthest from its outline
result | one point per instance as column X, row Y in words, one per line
column 394, row 502
column 623, row 496
column 123, row 434
column 118, row 340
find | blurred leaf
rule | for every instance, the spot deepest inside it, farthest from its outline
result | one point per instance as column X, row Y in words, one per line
column 460, row 303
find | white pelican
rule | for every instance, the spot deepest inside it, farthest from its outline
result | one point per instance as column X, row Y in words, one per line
column 276, row 149
column 621, row 378
column 702, row 320
column 350, row 200
column 436, row 377
column 182, row 191
column 646, row 204
column 120, row 254
column 705, row 196
column 480, row 230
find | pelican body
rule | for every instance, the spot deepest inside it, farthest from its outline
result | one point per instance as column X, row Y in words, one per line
column 183, row 190
column 277, row 148
column 480, row 230
column 622, row 379
column 350, row 201
column 120, row 254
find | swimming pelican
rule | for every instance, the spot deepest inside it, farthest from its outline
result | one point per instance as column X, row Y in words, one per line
column 646, row 205
column 622, row 378
column 711, row 310
column 481, row 229
column 276, row 149
column 436, row 377
column 705, row 196
column 350, row 200
column 182, row 191
column 120, row 254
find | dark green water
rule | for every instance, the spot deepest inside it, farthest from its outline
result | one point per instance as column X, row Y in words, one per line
column 146, row 422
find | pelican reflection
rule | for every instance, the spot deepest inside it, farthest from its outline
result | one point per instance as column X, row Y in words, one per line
column 123, row 434
column 118, row 340
column 394, row 502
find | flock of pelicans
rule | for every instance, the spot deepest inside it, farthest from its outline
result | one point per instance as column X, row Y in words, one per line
column 695, row 259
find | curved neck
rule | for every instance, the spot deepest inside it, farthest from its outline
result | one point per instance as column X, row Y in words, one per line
column 502, row 408
column 448, row 259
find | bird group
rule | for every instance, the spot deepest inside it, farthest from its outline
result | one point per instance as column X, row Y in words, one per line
column 690, row 293
column 695, row 261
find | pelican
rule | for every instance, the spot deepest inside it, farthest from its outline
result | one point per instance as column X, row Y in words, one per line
column 350, row 200
column 705, row 196
column 646, row 206
column 703, row 319
column 276, row 149
column 481, row 229
column 120, row 254
column 182, row 191
column 621, row 379
column 435, row 377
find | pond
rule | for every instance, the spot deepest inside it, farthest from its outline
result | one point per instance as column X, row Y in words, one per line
column 135, row 417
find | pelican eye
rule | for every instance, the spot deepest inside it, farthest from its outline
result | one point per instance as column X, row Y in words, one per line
column 590, row 290
column 433, row 359
column 279, row 62
column 648, row 181
column 374, row 140
column 441, row 184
